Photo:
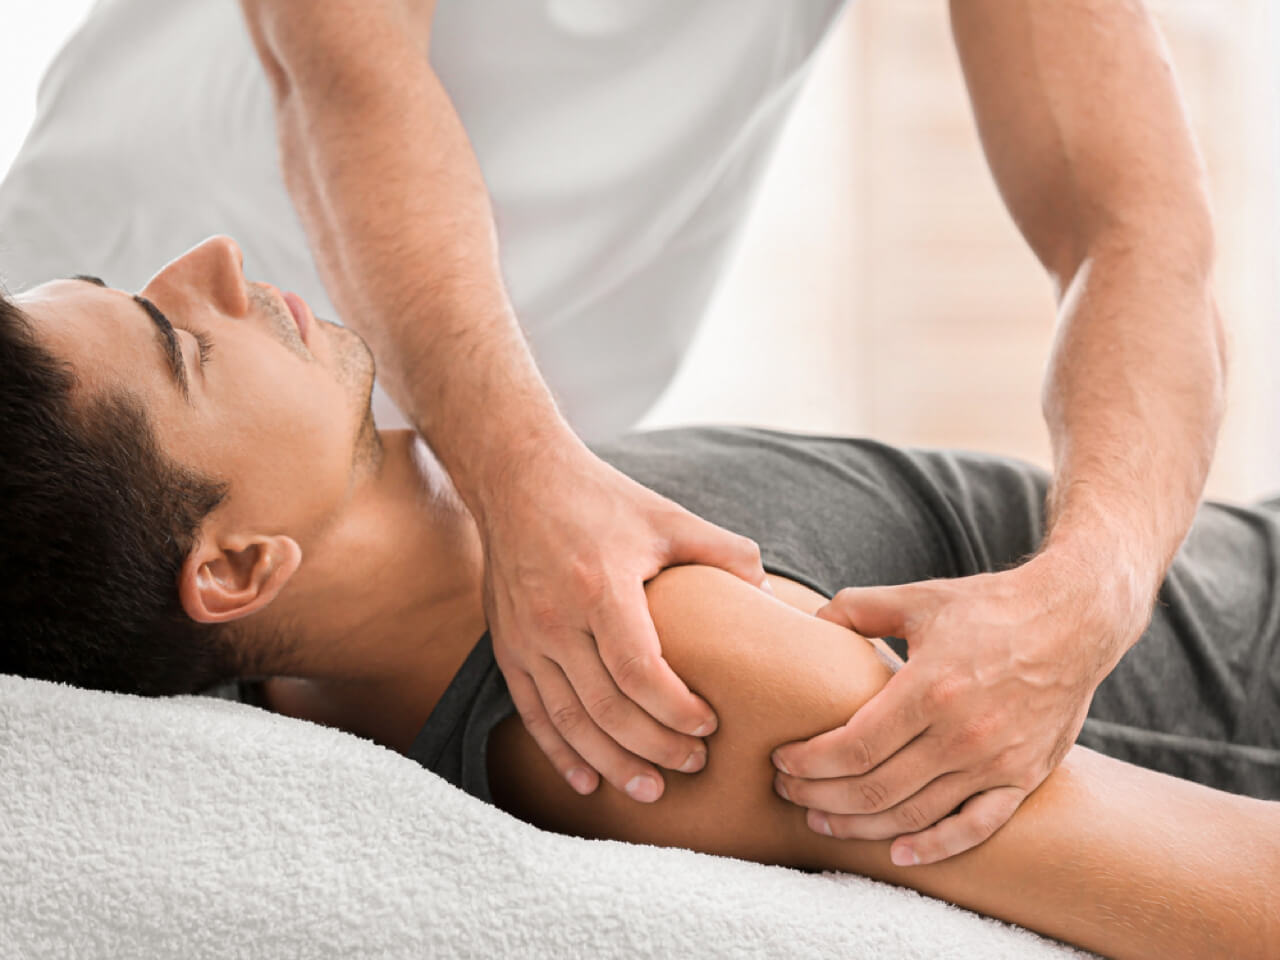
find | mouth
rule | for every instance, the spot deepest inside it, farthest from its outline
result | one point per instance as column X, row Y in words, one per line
column 298, row 309
column 302, row 315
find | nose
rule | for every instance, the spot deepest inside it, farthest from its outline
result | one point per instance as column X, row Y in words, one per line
column 212, row 270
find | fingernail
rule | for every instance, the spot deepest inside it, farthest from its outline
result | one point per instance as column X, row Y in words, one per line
column 781, row 787
column 695, row 761
column 644, row 789
column 580, row 780
column 821, row 825
column 777, row 762
column 903, row 857
column 703, row 730
column 766, row 586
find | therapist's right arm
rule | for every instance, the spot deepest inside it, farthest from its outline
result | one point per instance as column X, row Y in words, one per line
column 398, row 219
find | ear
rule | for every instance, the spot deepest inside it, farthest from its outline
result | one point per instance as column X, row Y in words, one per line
column 227, row 581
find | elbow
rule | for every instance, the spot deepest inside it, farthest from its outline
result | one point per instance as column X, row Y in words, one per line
column 256, row 15
column 277, row 77
column 323, row 54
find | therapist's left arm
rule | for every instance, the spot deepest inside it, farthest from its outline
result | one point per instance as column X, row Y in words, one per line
column 1086, row 135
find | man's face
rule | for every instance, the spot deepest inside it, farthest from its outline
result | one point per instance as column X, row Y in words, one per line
column 286, row 421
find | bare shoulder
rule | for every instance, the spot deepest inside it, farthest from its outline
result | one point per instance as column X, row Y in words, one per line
column 717, row 631
column 772, row 672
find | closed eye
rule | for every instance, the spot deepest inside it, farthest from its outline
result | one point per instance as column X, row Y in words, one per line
column 206, row 345
column 203, row 341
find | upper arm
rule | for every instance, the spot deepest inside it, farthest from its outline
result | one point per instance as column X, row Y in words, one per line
column 771, row 673
column 1081, row 122
column 1100, row 854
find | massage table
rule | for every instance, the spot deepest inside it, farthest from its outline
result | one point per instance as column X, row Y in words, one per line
column 193, row 827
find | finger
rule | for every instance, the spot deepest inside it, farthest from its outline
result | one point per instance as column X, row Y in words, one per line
column 899, row 779
column 870, row 611
column 914, row 814
column 567, row 761
column 694, row 540
column 980, row 817
column 623, row 770
column 628, row 645
column 881, row 727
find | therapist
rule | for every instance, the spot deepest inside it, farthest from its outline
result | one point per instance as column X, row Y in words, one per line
column 578, row 169
column 1086, row 136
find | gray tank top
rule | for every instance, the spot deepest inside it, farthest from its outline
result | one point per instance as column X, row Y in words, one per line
column 831, row 512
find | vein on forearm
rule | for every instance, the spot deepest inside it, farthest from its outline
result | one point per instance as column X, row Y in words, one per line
column 1086, row 136
column 1133, row 400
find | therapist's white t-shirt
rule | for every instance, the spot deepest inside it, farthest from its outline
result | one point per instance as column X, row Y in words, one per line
column 620, row 141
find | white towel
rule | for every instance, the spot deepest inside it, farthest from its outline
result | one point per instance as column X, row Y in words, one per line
column 193, row 827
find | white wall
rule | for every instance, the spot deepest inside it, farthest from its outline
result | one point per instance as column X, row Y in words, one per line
column 882, row 289
column 31, row 31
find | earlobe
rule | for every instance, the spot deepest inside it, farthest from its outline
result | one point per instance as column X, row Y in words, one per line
column 226, row 581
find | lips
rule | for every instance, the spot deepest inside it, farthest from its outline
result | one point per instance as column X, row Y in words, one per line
column 302, row 315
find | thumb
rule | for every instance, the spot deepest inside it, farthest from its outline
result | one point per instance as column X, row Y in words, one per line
column 870, row 611
column 690, row 539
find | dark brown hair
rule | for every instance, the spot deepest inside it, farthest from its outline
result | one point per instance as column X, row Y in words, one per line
column 95, row 522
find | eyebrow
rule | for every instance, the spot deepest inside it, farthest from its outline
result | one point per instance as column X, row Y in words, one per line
column 173, row 358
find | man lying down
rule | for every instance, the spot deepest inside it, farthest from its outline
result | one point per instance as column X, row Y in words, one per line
column 193, row 491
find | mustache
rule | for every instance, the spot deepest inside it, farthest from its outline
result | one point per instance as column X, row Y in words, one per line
column 280, row 318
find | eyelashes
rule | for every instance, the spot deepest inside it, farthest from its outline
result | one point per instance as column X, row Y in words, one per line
column 204, row 341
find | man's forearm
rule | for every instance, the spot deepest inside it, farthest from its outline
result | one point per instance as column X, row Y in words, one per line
column 398, row 217
column 1086, row 135
column 1133, row 400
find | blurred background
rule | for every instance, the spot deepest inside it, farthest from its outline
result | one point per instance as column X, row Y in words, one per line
column 879, row 287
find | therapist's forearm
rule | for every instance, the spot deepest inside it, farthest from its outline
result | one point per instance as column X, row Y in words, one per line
column 398, row 217
column 1133, row 400
column 1085, row 132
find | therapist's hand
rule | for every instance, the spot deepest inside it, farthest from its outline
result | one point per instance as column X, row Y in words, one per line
column 569, row 543
column 1000, row 672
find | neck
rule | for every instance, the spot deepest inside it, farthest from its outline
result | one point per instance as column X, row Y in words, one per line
column 388, row 603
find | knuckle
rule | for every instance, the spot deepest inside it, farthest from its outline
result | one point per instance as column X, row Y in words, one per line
column 873, row 796
column 946, row 691
column 975, row 731
column 534, row 721
column 1006, row 765
column 544, row 613
column 588, row 580
column 911, row 817
column 567, row 719
column 859, row 759
column 605, row 710
column 982, row 826
column 631, row 669
column 844, row 595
